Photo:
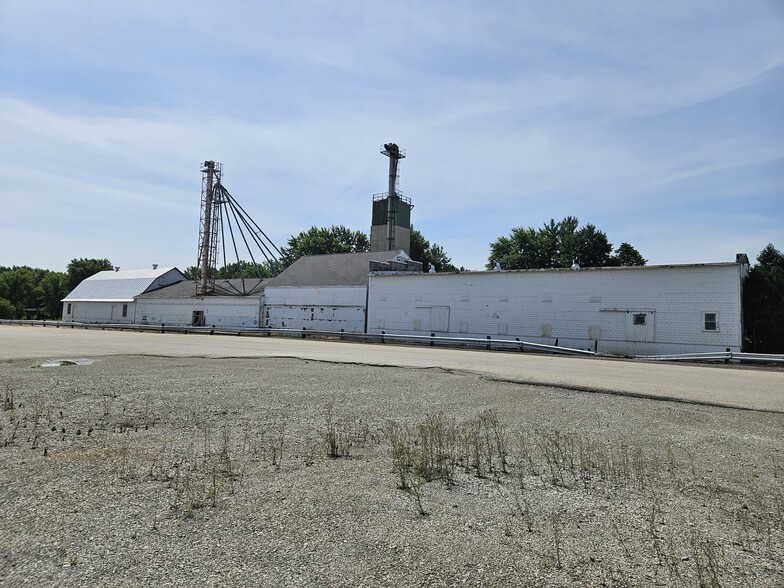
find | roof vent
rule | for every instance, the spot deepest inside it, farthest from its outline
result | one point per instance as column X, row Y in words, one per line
column 155, row 266
column 117, row 268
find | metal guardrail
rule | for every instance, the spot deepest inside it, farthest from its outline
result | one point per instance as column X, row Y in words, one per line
column 487, row 343
column 433, row 340
column 716, row 356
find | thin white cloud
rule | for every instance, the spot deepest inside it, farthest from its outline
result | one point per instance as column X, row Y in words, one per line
column 510, row 116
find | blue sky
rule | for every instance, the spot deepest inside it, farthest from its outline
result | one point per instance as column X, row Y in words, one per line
column 660, row 123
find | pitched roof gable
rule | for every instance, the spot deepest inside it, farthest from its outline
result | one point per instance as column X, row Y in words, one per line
column 334, row 269
column 122, row 285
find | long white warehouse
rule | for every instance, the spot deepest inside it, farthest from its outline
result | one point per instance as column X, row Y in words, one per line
column 619, row 310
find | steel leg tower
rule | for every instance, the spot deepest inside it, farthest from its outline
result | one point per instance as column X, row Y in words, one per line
column 208, row 227
column 391, row 228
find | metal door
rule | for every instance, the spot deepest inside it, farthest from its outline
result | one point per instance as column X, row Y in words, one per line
column 640, row 325
column 439, row 319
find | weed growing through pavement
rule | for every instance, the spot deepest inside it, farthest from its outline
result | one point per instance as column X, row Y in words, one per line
column 336, row 435
column 277, row 442
column 708, row 561
column 577, row 506
column 8, row 398
column 342, row 433
column 556, row 524
column 539, row 464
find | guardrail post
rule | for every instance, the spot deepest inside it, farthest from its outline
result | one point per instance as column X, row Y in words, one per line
column 303, row 332
column 522, row 347
column 342, row 331
column 488, row 342
column 729, row 351
column 382, row 336
column 432, row 340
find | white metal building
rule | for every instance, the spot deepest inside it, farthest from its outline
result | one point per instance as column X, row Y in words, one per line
column 327, row 292
column 109, row 296
column 178, row 305
column 620, row 310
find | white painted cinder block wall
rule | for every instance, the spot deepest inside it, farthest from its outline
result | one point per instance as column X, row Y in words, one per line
column 98, row 312
column 315, row 308
column 591, row 308
column 219, row 311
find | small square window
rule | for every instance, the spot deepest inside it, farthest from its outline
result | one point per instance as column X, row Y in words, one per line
column 711, row 321
column 639, row 319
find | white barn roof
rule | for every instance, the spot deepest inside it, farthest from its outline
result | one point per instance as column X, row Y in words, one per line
column 122, row 285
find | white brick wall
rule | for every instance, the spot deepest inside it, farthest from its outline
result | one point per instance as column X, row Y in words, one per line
column 220, row 311
column 321, row 309
column 588, row 308
column 98, row 312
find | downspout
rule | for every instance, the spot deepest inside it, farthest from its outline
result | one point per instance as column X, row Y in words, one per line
column 367, row 302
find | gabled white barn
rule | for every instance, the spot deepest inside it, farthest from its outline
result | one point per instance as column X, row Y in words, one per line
column 108, row 296
column 620, row 310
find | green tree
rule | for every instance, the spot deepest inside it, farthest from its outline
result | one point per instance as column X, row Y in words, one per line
column 247, row 269
column 763, row 303
column 21, row 288
column 31, row 288
column 556, row 244
column 422, row 250
column 319, row 241
column 7, row 310
column 626, row 255
column 191, row 272
column 54, row 286
column 238, row 269
column 80, row 269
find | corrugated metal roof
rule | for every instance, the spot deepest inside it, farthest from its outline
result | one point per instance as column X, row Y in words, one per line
column 140, row 274
column 187, row 289
column 336, row 269
column 116, row 286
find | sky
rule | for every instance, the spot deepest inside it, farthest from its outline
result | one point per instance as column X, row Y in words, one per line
column 661, row 123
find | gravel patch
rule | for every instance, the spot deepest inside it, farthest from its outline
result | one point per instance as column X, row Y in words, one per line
column 217, row 472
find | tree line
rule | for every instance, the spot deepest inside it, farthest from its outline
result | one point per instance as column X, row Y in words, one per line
column 763, row 303
column 27, row 292
column 560, row 244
